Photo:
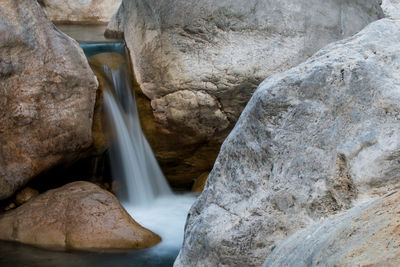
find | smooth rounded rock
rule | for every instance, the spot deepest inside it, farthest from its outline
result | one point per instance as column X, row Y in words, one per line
column 313, row 141
column 79, row 215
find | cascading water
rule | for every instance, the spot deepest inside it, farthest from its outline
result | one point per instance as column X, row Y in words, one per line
column 145, row 193
column 131, row 155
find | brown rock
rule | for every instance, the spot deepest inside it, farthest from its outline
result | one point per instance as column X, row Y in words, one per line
column 79, row 215
column 80, row 12
column 47, row 95
column 25, row 195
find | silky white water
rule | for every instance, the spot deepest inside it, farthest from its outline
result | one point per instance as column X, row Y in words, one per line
column 132, row 161
column 146, row 195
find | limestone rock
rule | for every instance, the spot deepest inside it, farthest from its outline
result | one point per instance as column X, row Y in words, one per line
column 25, row 195
column 367, row 235
column 200, row 61
column 312, row 141
column 79, row 215
column 391, row 8
column 47, row 95
column 80, row 11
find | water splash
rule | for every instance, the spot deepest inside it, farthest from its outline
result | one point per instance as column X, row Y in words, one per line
column 132, row 160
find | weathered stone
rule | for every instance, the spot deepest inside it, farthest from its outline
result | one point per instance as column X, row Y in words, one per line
column 312, row 141
column 200, row 61
column 25, row 195
column 79, row 215
column 47, row 95
column 80, row 11
column 367, row 235
column 391, row 8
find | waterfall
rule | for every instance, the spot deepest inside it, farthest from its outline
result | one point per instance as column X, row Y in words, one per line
column 132, row 161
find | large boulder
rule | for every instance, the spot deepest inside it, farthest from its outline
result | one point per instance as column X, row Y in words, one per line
column 80, row 11
column 311, row 142
column 79, row 215
column 391, row 8
column 47, row 95
column 200, row 61
column 367, row 235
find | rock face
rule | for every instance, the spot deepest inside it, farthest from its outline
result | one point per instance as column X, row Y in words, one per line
column 363, row 236
column 47, row 95
column 79, row 215
column 80, row 11
column 312, row 141
column 391, row 8
column 200, row 61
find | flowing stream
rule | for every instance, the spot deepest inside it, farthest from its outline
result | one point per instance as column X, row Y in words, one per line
column 144, row 191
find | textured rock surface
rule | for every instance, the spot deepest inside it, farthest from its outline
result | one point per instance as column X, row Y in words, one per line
column 391, row 8
column 200, row 61
column 47, row 95
column 79, row 215
column 25, row 195
column 368, row 235
column 312, row 141
column 80, row 11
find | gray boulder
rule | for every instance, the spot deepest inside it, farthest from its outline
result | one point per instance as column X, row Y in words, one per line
column 367, row 235
column 311, row 142
column 391, row 8
column 47, row 95
column 200, row 61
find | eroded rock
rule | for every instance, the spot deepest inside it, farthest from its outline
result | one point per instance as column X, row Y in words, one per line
column 79, row 215
column 47, row 95
column 367, row 235
column 80, row 11
column 200, row 61
column 311, row 142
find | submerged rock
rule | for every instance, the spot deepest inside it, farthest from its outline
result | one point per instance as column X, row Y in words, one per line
column 311, row 142
column 200, row 61
column 47, row 95
column 79, row 215
column 367, row 235
column 80, row 12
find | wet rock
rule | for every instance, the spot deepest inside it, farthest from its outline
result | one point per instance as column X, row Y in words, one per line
column 47, row 96
column 200, row 61
column 311, row 142
column 80, row 12
column 25, row 195
column 79, row 215
column 366, row 235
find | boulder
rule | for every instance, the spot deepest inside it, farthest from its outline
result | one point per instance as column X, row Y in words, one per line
column 391, row 8
column 80, row 11
column 47, row 95
column 79, row 215
column 311, row 142
column 199, row 62
column 367, row 235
